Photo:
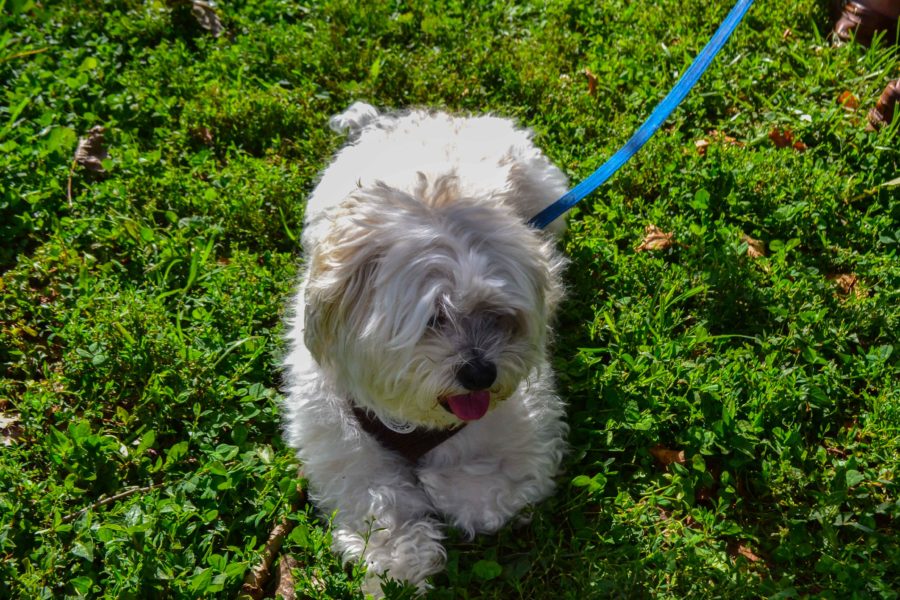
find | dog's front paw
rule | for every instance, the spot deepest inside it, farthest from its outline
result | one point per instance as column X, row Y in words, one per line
column 409, row 552
column 381, row 585
column 483, row 497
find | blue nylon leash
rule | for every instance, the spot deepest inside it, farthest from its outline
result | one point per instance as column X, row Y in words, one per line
column 653, row 122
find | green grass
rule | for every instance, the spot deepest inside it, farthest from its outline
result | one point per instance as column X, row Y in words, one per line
column 141, row 314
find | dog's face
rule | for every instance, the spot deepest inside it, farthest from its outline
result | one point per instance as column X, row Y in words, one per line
column 429, row 309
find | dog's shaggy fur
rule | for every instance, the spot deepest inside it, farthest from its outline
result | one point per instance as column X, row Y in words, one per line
column 426, row 301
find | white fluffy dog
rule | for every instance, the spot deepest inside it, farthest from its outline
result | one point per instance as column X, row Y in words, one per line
column 423, row 318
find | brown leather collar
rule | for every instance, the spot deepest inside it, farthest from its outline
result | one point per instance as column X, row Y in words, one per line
column 413, row 445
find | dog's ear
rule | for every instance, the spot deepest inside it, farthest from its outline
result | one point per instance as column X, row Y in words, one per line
column 532, row 186
column 338, row 286
column 354, row 119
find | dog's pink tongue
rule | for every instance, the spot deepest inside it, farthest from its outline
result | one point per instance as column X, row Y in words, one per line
column 471, row 406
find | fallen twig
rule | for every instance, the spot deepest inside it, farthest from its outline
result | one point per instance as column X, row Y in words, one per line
column 258, row 577
column 69, row 184
column 111, row 499
column 284, row 580
column 22, row 54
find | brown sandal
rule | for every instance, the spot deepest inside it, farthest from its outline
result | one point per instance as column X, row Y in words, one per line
column 858, row 21
column 883, row 113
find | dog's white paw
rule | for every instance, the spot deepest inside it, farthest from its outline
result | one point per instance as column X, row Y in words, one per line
column 481, row 497
column 409, row 552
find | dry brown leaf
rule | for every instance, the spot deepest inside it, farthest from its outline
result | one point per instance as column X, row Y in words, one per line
column 666, row 456
column 848, row 100
column 90, row 151
column 701, row 146
column 284, row 579
column 715, row 136
column 204, row 135
column 655, row 239
column 731, row 141
column 755, row 248
column 847, row 284
column 742, row 550
column 782, row 138
column 592, row 82
column 10, row 429
column 839, row 452
column 206, row 16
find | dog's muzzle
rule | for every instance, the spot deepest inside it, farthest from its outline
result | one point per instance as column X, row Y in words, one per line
column 477, row 374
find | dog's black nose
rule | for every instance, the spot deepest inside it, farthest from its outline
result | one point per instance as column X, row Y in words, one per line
column 477, row 374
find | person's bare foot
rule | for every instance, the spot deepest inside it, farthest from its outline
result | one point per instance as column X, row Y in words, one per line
column 884, row 110
column 862, row 19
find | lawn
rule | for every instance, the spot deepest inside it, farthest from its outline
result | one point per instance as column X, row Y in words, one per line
column 731, row 375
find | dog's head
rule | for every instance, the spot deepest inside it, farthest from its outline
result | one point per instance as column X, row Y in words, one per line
column 429, row 309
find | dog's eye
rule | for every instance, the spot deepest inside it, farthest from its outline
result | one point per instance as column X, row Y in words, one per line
column 438, row 320
column 508, row 322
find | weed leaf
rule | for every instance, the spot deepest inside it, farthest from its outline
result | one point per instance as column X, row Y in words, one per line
column 487, row 569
